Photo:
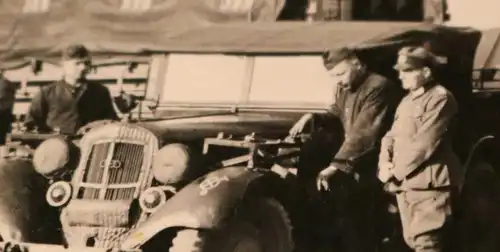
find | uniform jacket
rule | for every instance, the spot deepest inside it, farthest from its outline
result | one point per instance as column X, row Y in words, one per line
column 366, row 113
column 7, row 98
column 59, row 105
column 419, row 144
column 7, row 94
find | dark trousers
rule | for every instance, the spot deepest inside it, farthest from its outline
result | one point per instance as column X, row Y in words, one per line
column 349, row 218
column 6, row 120
column 357, row 212
column 351, row 215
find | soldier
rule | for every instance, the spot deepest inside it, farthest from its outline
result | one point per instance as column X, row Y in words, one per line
column 416, row 158
column 72, row 102
column 365, row 104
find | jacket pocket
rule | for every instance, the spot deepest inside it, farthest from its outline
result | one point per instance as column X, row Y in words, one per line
column 440, row 176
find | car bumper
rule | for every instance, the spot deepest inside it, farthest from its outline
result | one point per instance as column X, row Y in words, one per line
column 38, row 247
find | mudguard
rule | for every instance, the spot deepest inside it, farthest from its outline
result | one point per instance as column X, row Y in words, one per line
column 22, row 202
column 206, row 202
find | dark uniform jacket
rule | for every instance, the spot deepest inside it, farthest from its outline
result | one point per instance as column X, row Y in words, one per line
column 366, row 113
column 60, row 105
column 7, row 98
column 419, row 143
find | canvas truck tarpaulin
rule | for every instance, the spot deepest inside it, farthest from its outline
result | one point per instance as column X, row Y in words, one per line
column 46, row 26
column 126, row 37
column 377, row 42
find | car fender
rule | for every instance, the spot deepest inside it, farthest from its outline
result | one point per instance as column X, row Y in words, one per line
column 206, row 202
column 22, row 200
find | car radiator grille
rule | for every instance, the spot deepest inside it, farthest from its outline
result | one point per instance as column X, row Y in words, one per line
column 116, row 168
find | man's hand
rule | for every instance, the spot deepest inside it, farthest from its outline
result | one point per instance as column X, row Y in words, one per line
column 324, row 176
column 299, row 125
column 384, row 171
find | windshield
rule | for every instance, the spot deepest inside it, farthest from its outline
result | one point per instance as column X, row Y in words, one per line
column 203, row 78
column 246, row 80
column 290, row 80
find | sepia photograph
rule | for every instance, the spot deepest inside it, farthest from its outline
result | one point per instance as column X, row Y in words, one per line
column 249, row 126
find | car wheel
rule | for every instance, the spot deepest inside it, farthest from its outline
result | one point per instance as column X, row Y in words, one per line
column 263, row 226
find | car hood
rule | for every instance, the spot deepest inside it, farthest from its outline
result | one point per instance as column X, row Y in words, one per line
column 241, row 123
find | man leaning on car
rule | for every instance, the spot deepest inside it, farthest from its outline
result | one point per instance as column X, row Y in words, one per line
column 72, row 102
column 365, row 104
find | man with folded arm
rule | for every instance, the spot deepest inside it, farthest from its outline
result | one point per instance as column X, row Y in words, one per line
column 417, row 160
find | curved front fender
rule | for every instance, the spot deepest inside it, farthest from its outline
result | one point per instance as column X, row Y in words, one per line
column 22, row 201
column 204, row 203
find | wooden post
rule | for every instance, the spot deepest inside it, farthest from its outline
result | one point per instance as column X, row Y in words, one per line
column 335, row 9
column 435, row 11
column 346, row 10
column 311, row 11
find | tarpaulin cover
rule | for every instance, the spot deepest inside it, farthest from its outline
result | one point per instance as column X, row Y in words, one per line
column 128, row 37
column 43, row 27
column 111, row 27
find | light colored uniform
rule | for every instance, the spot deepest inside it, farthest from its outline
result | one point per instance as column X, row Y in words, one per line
column 419, row 145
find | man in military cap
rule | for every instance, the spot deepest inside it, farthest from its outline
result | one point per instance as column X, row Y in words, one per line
column 72, row 102
column 365, row 103
column 417, row 160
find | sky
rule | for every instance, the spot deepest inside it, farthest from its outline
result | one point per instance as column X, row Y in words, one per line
column 477, row 13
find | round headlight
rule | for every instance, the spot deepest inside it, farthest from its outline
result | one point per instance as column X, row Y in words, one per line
column 51, row 155
column 171, row 163
column 152, row 198
column 58, row 193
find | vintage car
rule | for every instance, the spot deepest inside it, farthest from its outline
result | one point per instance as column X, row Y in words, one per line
column 193, row 174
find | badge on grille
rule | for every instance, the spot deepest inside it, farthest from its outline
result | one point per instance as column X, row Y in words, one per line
column 113, row 164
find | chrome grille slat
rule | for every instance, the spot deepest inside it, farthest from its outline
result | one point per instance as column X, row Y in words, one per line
column 94, row 172
column 126, row 153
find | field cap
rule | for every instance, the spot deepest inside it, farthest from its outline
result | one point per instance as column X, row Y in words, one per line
column 333, row 57
column 76, row 51
column 414, row 57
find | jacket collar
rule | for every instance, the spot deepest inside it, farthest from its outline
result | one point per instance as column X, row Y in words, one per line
column 359, row 80
column 423, row 89
column 77, row 91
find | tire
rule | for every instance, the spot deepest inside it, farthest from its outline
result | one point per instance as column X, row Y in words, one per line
column 263, row 226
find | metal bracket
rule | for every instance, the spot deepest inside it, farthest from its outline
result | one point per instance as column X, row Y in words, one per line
column 252, row 144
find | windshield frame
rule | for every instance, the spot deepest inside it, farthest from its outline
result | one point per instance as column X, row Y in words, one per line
column 160, row 66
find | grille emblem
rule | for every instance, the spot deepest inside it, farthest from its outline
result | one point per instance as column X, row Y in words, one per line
column 113, row 164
